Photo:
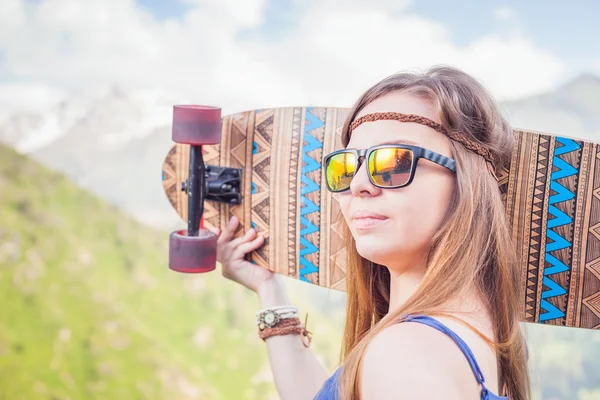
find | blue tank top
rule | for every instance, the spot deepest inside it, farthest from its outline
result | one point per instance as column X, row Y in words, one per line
column 329, row 389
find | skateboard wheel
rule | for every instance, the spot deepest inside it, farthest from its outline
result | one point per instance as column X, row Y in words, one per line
column 193, row 254
column 196, row 125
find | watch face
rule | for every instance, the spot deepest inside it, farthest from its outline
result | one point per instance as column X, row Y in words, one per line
column 269, row 318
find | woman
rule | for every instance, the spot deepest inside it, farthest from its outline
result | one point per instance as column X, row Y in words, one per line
column 433, row 306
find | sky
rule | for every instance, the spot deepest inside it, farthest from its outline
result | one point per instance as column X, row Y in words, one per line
column 243, row 54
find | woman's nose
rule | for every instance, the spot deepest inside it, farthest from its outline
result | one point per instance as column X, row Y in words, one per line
column 361, row 185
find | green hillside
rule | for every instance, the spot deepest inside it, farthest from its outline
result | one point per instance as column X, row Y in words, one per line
column 89, row 309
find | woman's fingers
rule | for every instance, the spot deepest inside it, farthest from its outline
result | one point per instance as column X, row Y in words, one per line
column 229, row 230
column 249, row 235
column 247, row 247
column 237, row 249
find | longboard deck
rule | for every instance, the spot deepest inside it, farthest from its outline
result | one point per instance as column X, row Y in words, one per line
column 551, row 193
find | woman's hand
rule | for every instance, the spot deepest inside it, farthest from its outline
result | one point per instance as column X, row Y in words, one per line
column 231, row 252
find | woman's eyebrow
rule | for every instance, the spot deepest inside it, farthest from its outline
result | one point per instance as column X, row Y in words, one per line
column 395, row 141
column 401, row 141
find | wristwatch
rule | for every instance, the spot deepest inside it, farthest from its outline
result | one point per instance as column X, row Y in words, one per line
column 270, row 317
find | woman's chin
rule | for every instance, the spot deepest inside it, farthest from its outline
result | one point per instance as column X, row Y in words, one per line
column 373, row 250
column 386, row 250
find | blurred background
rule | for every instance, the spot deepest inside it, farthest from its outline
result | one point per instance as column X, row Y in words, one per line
column 88, row 306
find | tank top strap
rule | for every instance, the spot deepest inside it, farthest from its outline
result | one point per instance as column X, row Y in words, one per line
column 427, row 320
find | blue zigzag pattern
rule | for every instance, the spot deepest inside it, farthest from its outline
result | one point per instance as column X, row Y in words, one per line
column 308, row 207
column 253, row 189
column 254, row 151
column 554, row 240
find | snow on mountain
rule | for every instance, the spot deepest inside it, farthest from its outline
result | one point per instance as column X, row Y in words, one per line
column 109, row 141
column 108, row 118
column 28, row 131
column 21, row 127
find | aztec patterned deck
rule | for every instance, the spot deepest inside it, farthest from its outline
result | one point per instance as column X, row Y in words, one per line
column 551, row 194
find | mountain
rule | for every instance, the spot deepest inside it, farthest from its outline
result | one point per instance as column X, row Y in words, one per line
column 111, row 142
column 127, row 174
column 572, row 110
column 105, row 118
column 89, row 309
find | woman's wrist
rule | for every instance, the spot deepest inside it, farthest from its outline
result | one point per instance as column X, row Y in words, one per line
column 272, row 292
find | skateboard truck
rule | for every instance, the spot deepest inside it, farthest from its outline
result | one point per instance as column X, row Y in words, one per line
column 195, row 250
column 222, row 184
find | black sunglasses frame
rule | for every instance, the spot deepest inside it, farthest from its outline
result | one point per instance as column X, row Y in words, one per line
column 418, row 152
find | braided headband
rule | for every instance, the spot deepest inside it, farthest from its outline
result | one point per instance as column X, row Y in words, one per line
column 469, row 144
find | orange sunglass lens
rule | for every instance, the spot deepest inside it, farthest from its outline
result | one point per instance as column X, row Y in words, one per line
column 390, row 166
column 340, row 170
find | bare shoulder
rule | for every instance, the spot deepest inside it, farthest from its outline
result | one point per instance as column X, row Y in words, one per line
column 412, row 360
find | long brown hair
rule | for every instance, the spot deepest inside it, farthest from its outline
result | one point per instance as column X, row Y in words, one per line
column 486, row 262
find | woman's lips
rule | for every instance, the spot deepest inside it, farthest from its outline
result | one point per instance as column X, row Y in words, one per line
column 364, row 221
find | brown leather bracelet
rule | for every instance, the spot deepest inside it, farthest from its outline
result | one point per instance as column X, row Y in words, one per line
column 288, row 326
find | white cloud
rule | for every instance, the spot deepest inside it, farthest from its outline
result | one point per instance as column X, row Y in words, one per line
column 512, row 68
column 333, row 55
column 504, row 13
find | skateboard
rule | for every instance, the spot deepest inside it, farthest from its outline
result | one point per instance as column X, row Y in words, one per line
column 264, row 167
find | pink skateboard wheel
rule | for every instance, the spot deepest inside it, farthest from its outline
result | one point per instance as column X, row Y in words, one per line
column 193, row 254
column 196, row 125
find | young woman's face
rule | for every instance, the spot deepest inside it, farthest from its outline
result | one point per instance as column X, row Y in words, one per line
column 392, row 227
